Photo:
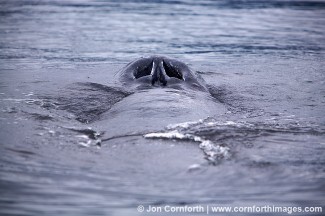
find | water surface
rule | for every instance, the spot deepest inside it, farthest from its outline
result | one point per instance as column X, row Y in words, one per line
column 262, row 59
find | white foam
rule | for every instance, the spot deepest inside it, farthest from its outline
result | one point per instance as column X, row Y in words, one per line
column 85, row 144
column 168, row 135
column 213, row 151
column 226, row 123
column 82, row 136
column 194, row 167
column 205, row 122
column 185, row 124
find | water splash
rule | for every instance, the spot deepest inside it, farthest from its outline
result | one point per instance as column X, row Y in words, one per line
column 87, row 137
column 218, row 138
column 214, row 152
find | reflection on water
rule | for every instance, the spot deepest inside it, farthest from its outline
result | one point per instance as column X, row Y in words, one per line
column 262, row 60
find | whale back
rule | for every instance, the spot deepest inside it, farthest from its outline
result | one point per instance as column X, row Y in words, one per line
column 154, row 109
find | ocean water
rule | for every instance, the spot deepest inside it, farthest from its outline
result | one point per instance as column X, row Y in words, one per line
column 61, row 152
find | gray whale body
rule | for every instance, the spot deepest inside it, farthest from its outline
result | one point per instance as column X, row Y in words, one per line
column 164, row 91
column 148, row 95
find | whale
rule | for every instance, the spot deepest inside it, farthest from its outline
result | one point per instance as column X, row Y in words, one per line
column 148, row 94
column 164, row 91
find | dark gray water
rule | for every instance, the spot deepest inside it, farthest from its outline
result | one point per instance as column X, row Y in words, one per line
column 67, row 149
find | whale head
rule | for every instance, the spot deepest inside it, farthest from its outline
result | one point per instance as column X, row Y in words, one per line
column 160, row 71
